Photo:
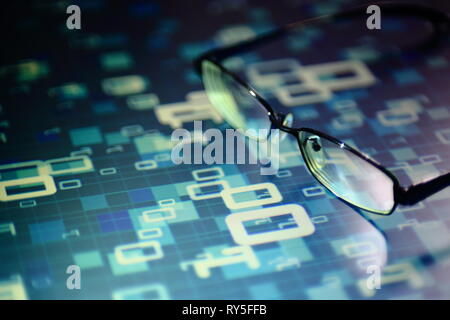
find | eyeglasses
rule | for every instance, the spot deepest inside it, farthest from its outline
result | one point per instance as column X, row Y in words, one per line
column 349, row 174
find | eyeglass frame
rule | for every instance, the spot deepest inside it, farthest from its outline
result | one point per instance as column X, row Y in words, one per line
column 402, row 196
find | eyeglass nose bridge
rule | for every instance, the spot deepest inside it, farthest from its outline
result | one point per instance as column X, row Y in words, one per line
column 284, row 120
column 284, row 124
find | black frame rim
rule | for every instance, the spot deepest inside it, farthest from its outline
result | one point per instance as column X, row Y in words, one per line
column 359, row 154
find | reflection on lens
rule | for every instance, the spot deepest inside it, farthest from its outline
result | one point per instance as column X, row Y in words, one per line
column 234, row 102
column 346, row 175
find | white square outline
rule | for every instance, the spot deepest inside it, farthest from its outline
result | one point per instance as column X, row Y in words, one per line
column 194, row 196
column 121, row 259
column 171, row 210
column 87, row 165
column 220, row 174
column 227, row 196
column 41, row 166
column 145, row 165
column 237, row 229
column 48, row 182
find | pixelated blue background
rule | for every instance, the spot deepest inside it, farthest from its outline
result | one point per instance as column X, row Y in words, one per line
column 53, row 103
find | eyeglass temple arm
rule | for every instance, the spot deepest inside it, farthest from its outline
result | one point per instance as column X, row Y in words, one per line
column 438, row 19
column 421, row 191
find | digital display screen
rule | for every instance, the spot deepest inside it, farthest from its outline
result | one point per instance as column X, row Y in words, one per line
column 121, row 176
